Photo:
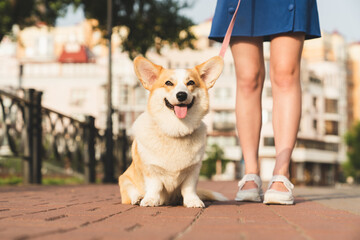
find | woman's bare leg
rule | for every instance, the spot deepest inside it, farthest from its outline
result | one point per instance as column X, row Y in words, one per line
column 285, row 56
column 250, row 72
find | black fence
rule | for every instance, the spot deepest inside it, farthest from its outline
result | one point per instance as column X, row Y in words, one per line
column 49, row 142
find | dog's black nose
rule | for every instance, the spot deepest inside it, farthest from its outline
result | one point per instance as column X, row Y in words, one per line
column 181, row 96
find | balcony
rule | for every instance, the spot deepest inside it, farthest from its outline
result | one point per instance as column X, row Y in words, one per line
column 224, row 126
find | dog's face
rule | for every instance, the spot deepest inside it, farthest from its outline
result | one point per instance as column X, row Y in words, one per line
column 178, row 97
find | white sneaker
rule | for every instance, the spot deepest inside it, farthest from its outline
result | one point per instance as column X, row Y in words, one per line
column 273, row 196
column 251, row 195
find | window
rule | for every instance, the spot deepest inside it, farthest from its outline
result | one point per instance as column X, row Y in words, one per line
column 315, row 124
column 121, row 117
column 331, row 106
column 331, row 128
column 124, row 95
column 224, row 121
column 314, row 102
column 269, row 141
column 315, row 80
column 211, row 43
column 314, row 144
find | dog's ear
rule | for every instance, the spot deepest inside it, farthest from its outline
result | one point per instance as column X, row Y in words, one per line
column 210, row 70
column 146, row 71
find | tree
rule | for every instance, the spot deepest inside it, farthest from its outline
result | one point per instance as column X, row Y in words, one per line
column 214, row 154
column 149, row 23
column 26, row 13
column 352, row 139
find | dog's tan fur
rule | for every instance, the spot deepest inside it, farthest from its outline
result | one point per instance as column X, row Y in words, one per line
column 168, row 148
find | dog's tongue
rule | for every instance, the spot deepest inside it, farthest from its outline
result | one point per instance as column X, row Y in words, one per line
column 180, row 112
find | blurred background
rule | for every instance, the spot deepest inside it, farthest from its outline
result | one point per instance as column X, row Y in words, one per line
column 68, row 100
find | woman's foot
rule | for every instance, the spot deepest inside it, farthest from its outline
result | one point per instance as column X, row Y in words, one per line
column 249, row 189
column 249, row 185
column 279, row 191
column 279, row 186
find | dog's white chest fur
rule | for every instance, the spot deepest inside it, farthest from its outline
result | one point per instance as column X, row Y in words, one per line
column 170, row 154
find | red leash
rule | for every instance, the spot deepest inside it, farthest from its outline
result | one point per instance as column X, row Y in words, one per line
column 227, row 37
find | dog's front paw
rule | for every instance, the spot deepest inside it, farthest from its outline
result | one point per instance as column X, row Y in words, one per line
column 194, row 203
column 150, row 202
column 136, row 201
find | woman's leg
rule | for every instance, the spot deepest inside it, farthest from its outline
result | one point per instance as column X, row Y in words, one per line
column 285, row 56
column 250, row 72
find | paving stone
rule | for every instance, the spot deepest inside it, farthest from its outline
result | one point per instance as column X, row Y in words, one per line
column 95, row 212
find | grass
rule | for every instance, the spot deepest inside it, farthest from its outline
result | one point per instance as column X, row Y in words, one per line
column 62, row 181
column 16, row 180
column 11, row 169
column 11, row 180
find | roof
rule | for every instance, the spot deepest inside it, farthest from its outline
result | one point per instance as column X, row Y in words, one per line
column 81, row 55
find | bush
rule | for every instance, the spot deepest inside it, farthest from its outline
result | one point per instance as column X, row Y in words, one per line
column 213, row 154
column 352, row 166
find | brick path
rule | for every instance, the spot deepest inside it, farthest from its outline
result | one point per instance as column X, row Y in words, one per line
column 95, row 212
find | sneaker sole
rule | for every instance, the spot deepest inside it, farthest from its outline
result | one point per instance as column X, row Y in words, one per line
column 278, row 202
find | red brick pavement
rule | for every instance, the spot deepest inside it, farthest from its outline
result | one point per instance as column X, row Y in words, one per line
column 95, row 212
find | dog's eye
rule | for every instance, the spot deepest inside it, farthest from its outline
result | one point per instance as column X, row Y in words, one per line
column 168, row 83
column 190, row 83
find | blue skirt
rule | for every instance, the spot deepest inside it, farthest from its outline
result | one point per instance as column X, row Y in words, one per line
column 256, row 18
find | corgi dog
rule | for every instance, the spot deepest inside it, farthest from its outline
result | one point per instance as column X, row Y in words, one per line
column 170, row 136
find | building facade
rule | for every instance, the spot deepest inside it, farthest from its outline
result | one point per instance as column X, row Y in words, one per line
column 78, row 89
column 354, row 84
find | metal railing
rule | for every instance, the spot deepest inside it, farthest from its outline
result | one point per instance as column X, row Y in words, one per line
column 49, row 141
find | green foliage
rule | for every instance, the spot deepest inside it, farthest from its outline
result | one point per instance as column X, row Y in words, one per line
column 5, row 19
column 11, row 165
column 62, row 181
column 213, row 154
column 150, row 23
column 352, row 139
column 10, row 180
column 26, row 13
column 16, row 180
column 11, row 170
